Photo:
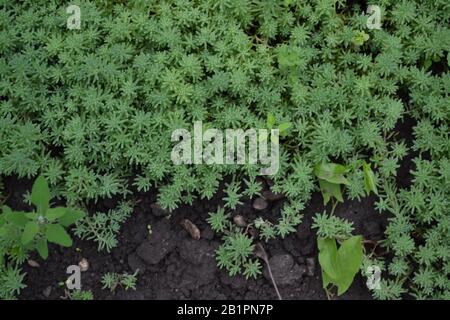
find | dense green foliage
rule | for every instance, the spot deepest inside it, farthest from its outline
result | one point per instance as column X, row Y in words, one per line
column 92, row 110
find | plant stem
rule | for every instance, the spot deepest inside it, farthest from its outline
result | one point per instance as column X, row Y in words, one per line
column 273, row 281
column 261, row 253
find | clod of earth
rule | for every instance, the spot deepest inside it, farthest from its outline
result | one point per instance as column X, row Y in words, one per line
column 310, row 266
column 158, row 211
column 284, row 269
column 159, row 243
column 136, row 263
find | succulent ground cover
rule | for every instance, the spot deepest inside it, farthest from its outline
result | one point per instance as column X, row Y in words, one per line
column 361, row 102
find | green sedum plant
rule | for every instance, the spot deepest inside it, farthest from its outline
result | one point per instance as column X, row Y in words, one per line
column 93, row 110
column 103, row 228
column 11, row 282
column 236, row 253
column 82, row 295
column 112, row 280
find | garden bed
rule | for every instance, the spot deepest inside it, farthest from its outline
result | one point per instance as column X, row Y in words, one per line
column 184, row 268
column 124, row 131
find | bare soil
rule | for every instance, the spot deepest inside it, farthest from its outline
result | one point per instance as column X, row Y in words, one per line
column 172, row 265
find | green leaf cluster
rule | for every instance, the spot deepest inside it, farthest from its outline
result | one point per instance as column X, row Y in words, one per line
column 33, row 230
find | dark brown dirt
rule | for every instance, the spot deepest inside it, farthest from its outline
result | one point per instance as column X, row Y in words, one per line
column 174, row 266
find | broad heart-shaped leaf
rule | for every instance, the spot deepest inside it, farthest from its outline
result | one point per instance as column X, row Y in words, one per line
column 42, row 248
column 71, row 217
column 339, row 266
column 54, row 213
column 40, row 195
column 369, row 179
column 18, row 219
column 330, row 190
column 57, row 234
column 325, row 279
column 349, row 259
column 328, row 259
column 331, row 172
column 29, row 232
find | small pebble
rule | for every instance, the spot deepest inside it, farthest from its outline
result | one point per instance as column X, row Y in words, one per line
column 84, row 265
column 260, row 204
column 239, row 221
column 191, row 228
column 33, row 263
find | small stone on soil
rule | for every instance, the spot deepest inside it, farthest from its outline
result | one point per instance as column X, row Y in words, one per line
column 84, row 265
column 260, row 204
column 191, row 228
column 239, row 221
column 33, row 263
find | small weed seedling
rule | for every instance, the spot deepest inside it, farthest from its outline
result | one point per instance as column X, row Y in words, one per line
column 33, row 230
column 112, row 280
column 81, row 295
